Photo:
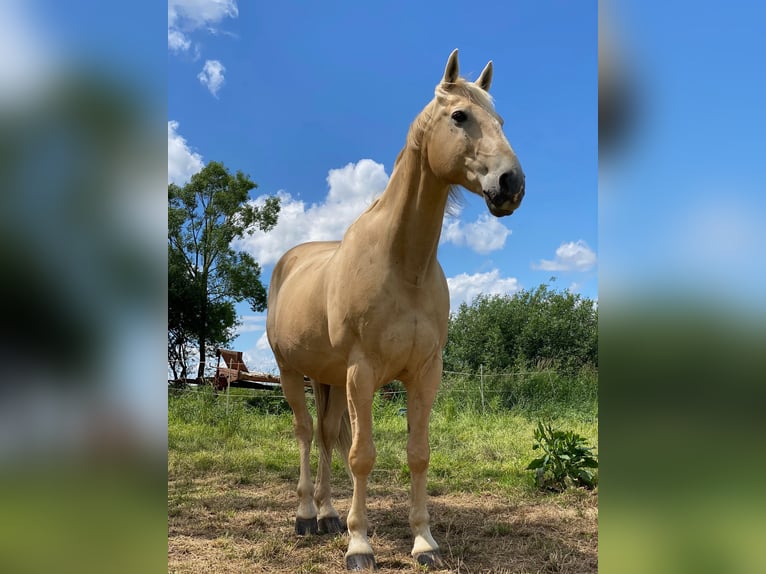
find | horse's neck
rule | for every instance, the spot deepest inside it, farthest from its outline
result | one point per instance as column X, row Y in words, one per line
column 407, row 219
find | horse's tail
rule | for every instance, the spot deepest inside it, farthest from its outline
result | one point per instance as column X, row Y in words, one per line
column 322, row 398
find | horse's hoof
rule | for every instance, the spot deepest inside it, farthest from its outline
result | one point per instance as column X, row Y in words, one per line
column 432, row 559
column 330, row 525
column 305, row 526
column 360, row 562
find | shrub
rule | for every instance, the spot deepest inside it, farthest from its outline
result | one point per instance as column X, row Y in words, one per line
column 566, row 460
column 533, row 329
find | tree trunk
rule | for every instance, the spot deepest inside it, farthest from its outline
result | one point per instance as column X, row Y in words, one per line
column 202, row 332
column 202, row 351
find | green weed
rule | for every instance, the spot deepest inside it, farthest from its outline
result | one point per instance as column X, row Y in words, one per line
column 566, row 461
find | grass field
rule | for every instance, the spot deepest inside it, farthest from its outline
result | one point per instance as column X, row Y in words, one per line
column 232, row 473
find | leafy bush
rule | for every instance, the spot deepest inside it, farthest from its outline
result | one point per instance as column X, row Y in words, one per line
column 533, row 329
column 566, row 460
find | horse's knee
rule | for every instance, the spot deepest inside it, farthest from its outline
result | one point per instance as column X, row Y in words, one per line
column 417, row 459
column 361, row 459
column 303, row 426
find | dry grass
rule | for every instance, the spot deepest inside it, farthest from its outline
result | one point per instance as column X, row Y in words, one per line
column 217, row 524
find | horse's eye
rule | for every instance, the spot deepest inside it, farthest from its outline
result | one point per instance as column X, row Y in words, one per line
column 459, row 116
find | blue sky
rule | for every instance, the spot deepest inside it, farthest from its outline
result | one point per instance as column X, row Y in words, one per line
column 313, row 101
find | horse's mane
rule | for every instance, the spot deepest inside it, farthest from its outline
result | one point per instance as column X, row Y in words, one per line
column 469, row 90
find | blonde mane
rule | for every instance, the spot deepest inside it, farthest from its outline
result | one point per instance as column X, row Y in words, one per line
column 469, row 90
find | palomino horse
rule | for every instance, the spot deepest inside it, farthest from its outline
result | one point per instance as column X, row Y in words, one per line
column 358, row 313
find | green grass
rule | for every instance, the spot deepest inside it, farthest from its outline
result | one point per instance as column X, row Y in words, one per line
column 251, row 439
column 207, row 435
column 469, row 451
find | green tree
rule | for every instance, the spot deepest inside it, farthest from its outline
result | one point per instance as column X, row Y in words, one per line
column 530, row 328
column 206, row 276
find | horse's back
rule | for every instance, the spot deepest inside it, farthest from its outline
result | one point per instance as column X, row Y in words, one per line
column 304, row 258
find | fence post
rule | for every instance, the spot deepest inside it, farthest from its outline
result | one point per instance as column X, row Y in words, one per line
column 481, row 386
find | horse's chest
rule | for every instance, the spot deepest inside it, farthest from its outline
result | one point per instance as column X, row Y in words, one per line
column 414, row 336
column 395, row 326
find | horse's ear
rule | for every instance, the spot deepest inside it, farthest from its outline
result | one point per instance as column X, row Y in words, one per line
column 485, row 79
column 452, row 70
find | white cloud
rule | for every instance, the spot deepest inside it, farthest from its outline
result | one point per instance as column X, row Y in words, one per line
column 186, row 16
column 351, row 190
column 177, row 41
column 484, row 235
column 260, row 359
column 452, row 232
column 212, row 76
column 464, row 287
column 251, row 324
column 571, row 256
column 182, row 162
column 263, row 343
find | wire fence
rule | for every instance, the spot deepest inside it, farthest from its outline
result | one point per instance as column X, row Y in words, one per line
column 459, row 391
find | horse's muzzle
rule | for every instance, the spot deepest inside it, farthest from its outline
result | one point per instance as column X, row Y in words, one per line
column 506, row 198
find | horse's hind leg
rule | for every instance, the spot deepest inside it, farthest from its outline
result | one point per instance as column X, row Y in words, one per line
column 329, row 419
column 293, row 389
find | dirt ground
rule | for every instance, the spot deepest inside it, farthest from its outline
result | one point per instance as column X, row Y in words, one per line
column 216, row 525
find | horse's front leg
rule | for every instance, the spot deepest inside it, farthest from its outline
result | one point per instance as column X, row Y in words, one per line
column 360, row 389
column 420, row 398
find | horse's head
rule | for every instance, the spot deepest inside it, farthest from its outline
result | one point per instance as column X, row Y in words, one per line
column 465, row 144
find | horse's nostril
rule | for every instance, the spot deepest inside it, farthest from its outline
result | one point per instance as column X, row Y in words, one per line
column 511, row 181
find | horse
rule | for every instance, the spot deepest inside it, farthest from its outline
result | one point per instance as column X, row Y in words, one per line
column 355, row 314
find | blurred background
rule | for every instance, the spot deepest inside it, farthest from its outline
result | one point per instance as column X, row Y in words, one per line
column 681, row 287
column 682, row 278
column 82, row 231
